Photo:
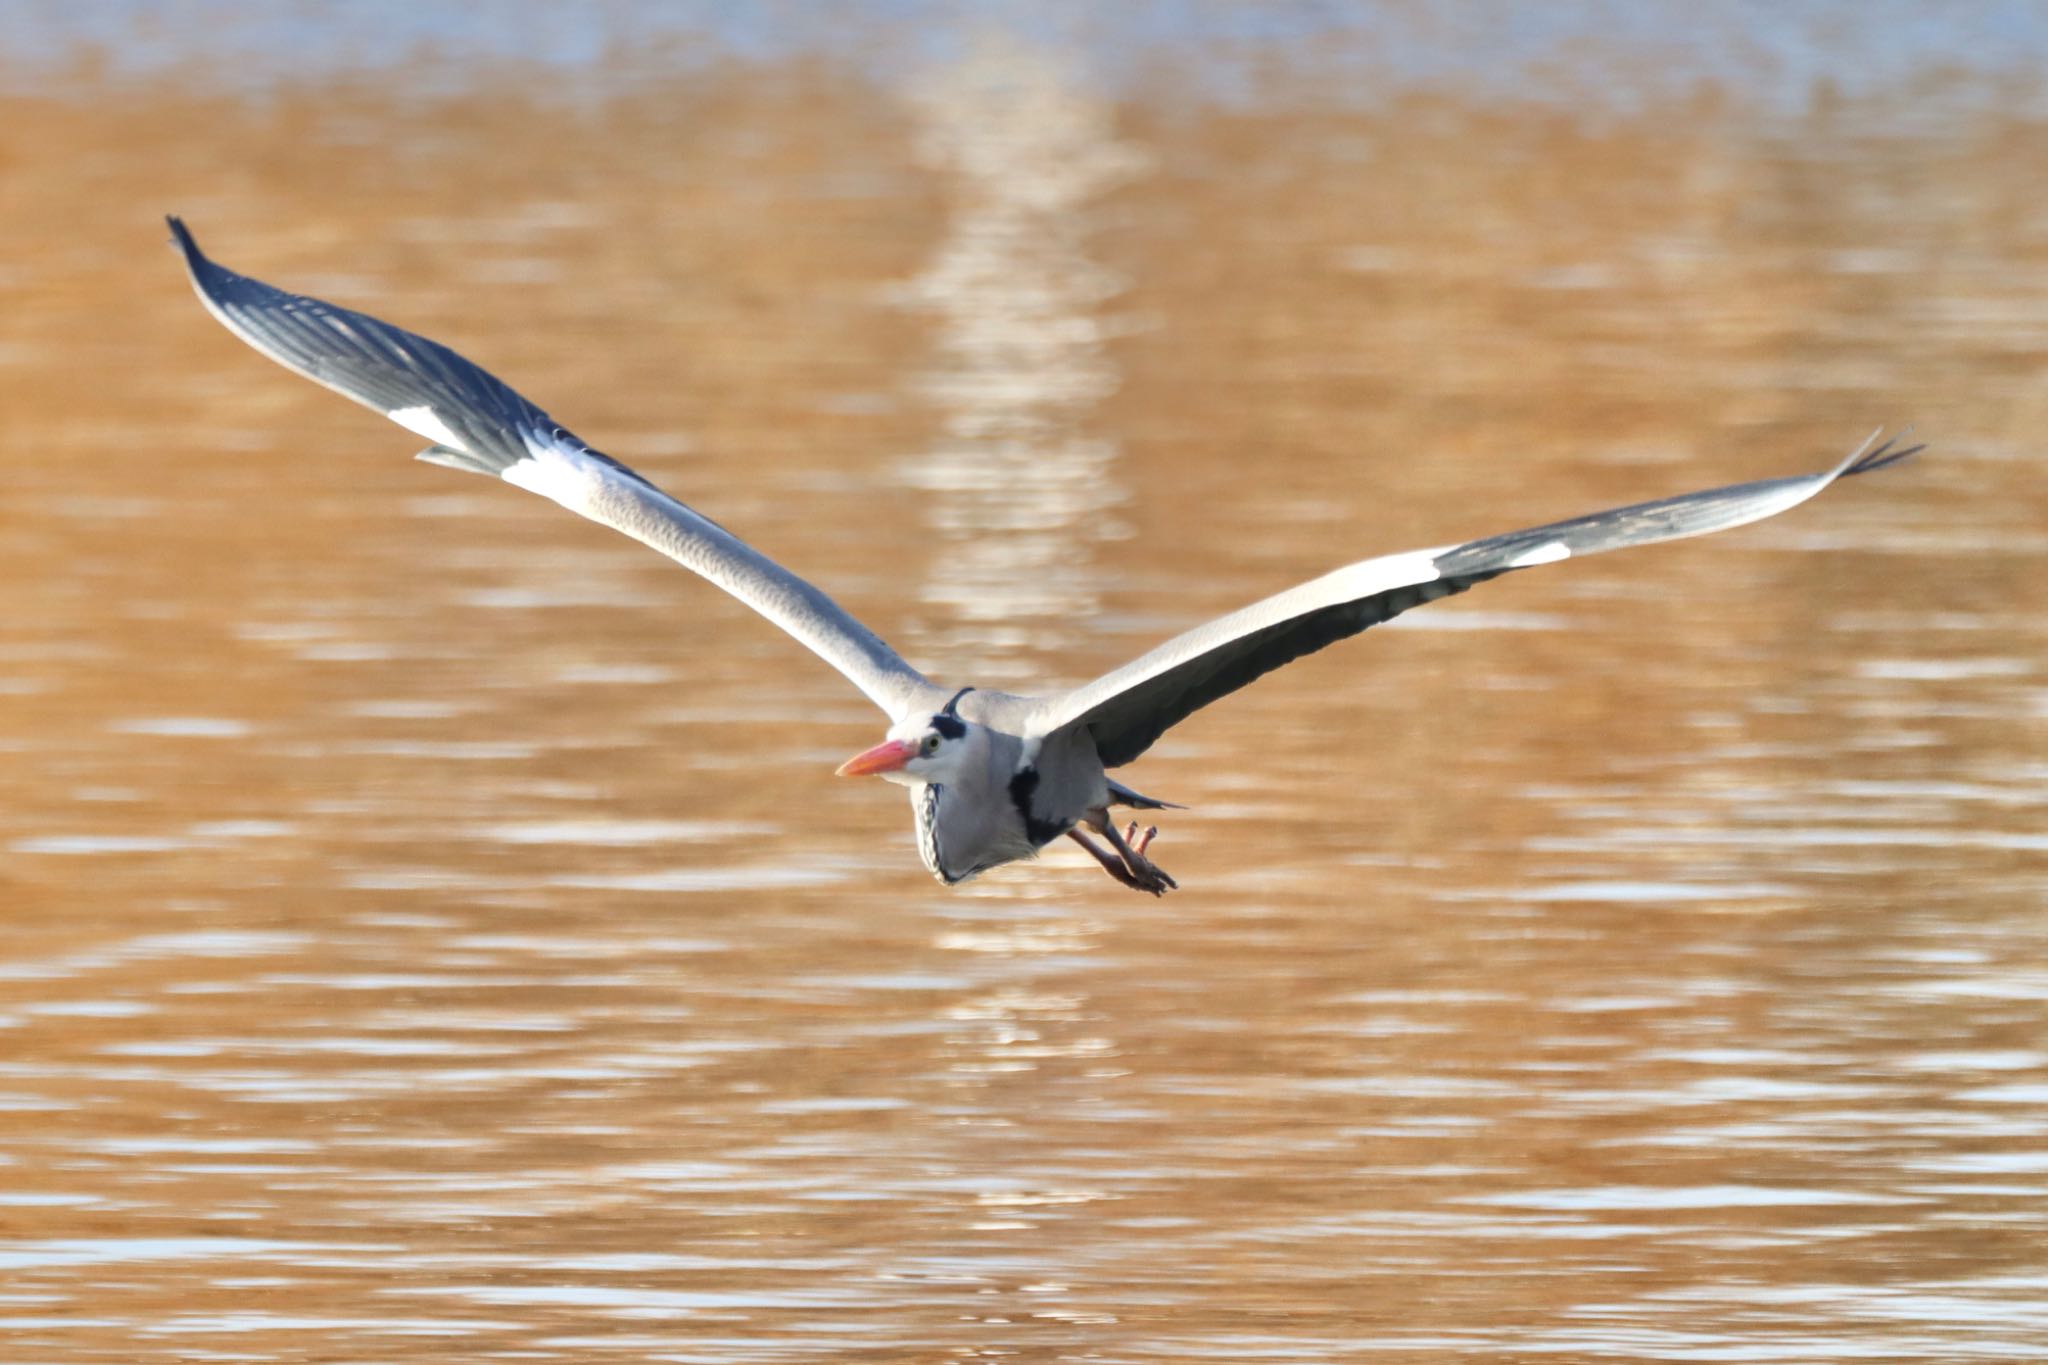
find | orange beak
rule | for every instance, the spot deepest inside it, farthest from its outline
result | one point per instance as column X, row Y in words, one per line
column 885, row 757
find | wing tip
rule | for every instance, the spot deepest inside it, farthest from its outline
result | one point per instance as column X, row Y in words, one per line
column 199, row 267
column 181, row 238
column 1872, row 456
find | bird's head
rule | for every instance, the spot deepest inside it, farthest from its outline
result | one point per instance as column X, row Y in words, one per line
column 932, row 748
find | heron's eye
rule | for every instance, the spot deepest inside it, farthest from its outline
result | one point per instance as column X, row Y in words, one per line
column 931, row 744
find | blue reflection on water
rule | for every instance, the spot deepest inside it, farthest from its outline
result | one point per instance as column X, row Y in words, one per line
column 1610, row 52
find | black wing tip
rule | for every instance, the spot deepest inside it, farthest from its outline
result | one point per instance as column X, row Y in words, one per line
column 181, row 237
column 197, row 264
column 1867, row 459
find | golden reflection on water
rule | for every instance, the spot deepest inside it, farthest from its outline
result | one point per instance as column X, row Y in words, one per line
column 1018, row 486
column 433, row 930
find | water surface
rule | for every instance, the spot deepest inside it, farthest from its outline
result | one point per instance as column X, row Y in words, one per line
column 433, row 929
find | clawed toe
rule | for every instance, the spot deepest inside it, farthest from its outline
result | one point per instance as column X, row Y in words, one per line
column 1146, row 877
column 1153, row 878
column 1128, row 864
column 1142, row 873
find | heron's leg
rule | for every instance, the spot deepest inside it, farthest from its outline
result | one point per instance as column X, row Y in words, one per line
column 1148, row 874
column 1111, row 863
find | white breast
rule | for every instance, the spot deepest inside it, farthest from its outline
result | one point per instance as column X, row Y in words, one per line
column 924, row 803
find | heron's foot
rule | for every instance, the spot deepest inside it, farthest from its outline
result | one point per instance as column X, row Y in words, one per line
column 1111, row 863
column 1142, row 872
column 1126, row 865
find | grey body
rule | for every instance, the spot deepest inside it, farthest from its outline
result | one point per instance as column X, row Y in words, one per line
column 1003, row 775
column 1018, row 792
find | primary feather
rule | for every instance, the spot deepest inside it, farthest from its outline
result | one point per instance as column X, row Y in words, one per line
column 479, row 423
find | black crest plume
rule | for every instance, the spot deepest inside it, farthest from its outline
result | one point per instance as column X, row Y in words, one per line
column 948, row 722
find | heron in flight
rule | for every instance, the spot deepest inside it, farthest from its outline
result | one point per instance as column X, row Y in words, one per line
column 993, row 776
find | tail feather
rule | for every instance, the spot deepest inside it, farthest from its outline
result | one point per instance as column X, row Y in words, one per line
column 1120, row 795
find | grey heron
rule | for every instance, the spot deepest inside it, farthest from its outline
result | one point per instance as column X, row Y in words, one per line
column 993, row 776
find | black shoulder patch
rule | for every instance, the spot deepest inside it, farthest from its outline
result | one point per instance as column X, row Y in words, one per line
column 1040, row 832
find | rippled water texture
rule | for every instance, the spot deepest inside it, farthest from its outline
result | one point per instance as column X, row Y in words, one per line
column 432, row 929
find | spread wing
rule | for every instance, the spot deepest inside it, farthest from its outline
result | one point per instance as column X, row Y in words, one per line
column 1126, row 710
column 478, row 423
